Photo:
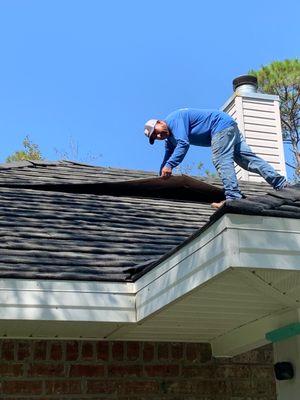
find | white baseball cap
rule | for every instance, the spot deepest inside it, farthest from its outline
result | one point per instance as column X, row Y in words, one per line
column 149, row 129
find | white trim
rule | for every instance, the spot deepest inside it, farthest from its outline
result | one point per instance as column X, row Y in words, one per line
column 66, row 300
column 280, row 140
column 65, row 286
column 261, row 96
column 260, row 254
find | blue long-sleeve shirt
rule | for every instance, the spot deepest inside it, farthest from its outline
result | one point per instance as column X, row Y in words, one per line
column 191, row 126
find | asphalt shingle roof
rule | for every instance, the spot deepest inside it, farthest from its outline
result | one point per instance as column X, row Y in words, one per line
column 64, row 220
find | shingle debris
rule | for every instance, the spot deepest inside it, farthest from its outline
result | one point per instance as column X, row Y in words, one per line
column 277, row 203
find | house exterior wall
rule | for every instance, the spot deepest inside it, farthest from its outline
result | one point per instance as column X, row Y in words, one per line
column 69, row 370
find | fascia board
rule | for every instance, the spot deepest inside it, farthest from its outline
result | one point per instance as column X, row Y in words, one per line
column 267, row 242
column 66, row 301
column 199, row 261
column 201, row 240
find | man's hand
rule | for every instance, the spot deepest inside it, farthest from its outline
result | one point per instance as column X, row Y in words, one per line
column 166, row 172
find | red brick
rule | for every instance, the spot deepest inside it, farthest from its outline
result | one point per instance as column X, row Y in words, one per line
column 205, row 353
column 125, row 370
column 8, row 350
column 87, row 370
column 262, row 387
column 161, row 370
column 241, row 386
column 148, row 352
column 216, row 371
column 22, row 387
column 40, row 350
column 266, row 354
column 11, row 369
column 234, row 371
column 191, row 352
column 261, row 372
column 88, row 351
column 102, row 386
column 180, row 371
column 117, row 351
column 133, row 351
column 176, row 351
column 211, row 387
column 257, row 356
column 24, row 350
column 182, row 387
column 72, row 351
column 56, row 351
column 198, row 352
column 46, row 369
column 102, row 350
column 200, row 371
column 153, row 397
column 163, row 351
column 139, row 387
column 66, row 386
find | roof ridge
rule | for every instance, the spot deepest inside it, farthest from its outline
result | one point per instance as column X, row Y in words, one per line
column 37, row 163
column 27, row 163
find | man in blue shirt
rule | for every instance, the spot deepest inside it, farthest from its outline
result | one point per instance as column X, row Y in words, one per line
column 190, row 126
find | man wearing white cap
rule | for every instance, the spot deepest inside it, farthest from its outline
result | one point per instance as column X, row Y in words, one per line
column 190, row 126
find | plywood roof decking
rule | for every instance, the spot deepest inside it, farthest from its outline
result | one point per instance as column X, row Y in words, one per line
column 69, row 234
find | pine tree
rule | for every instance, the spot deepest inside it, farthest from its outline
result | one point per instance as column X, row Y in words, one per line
column 283, row 79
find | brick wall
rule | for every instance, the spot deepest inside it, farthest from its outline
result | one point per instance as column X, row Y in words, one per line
column 58, row 370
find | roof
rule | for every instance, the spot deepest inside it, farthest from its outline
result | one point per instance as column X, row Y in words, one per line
column 69, row 221
column 113, row 254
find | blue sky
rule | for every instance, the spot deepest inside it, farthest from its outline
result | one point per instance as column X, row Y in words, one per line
column 89, row 73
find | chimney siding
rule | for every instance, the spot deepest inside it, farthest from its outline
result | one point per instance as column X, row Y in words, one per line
column 258, row 118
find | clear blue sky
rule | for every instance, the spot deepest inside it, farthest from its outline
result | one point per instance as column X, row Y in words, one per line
column 91, row 72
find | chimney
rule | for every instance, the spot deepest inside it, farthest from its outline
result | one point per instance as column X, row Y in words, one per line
column 258, row 118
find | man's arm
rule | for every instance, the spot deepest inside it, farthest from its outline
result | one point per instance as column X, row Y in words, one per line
column 169, row 149
column 178, row 155
column 180, row 131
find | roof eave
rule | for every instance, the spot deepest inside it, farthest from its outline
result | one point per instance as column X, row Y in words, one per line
column 238, row 276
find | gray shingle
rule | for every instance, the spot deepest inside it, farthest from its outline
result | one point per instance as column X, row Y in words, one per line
column 61, row 220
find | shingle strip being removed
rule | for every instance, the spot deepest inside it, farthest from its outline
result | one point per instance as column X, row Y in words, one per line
column 178, row 187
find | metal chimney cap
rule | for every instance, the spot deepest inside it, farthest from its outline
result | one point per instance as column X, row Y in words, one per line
column 244, row 80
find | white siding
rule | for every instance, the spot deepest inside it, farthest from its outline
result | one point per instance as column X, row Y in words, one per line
column 258, row 118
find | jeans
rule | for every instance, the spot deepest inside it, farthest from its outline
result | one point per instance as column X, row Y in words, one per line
column 229, row 146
